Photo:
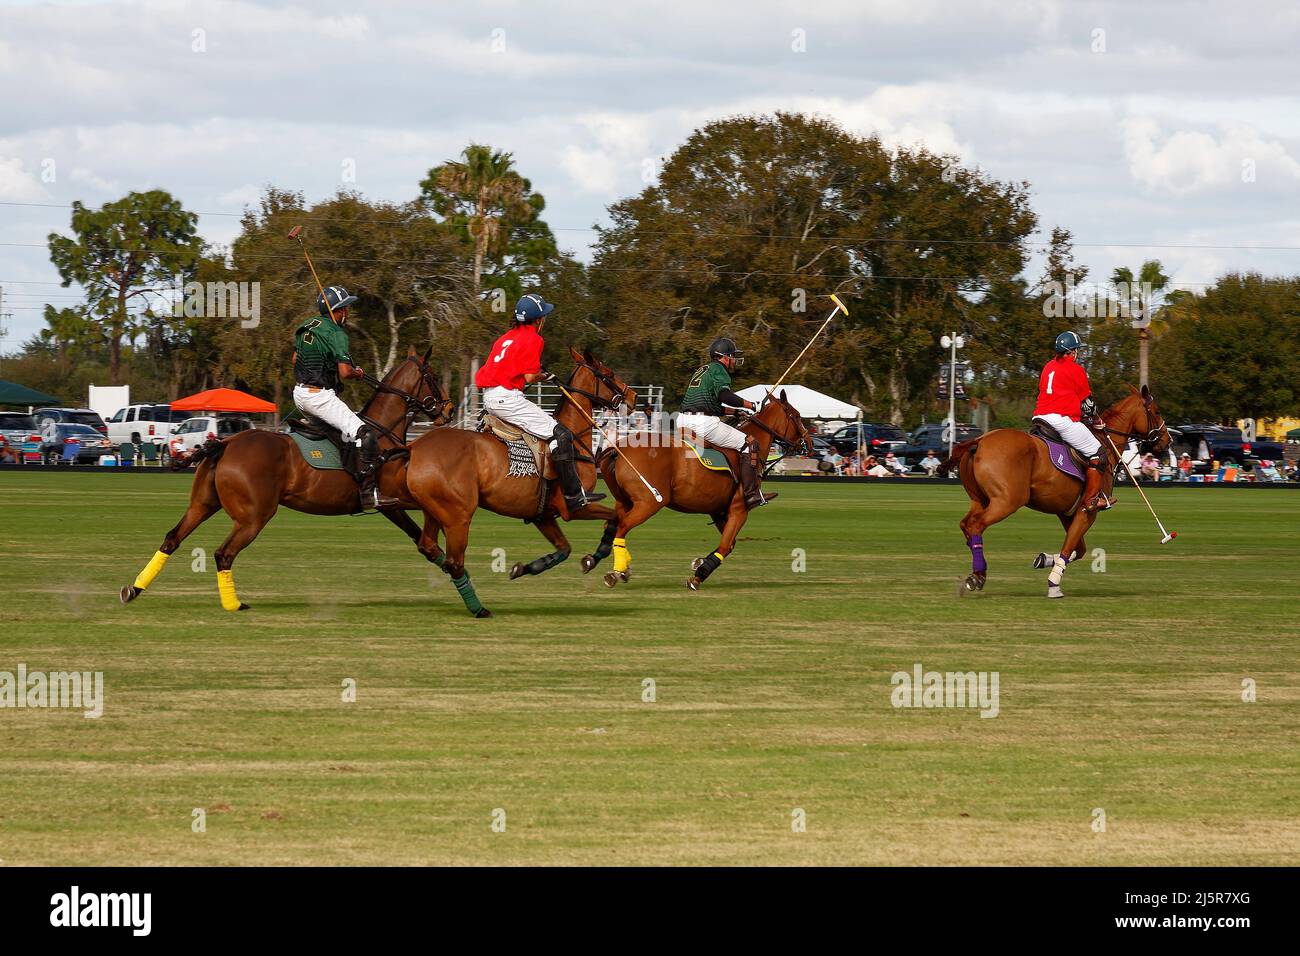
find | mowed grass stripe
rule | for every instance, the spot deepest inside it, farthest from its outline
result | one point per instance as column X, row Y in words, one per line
column 772, row 689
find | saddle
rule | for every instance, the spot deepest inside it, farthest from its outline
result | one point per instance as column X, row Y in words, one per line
column 529, row 456
column 322, row 444
column 711, row 457
column 1063, row 455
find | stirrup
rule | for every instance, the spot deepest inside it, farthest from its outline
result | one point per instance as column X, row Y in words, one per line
column 582, row 499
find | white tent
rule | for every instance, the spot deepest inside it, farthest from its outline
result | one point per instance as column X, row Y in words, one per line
column 809, row 403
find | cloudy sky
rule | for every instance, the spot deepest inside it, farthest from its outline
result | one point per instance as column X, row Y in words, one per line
column 1150, row 129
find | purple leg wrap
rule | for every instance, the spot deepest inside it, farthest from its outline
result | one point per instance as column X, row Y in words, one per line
column 976, row 545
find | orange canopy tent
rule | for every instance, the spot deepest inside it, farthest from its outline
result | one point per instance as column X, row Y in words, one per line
column 223, row 400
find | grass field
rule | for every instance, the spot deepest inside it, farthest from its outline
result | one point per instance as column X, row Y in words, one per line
column 772, row 689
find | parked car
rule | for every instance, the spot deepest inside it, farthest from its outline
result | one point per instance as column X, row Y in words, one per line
column 144, row 423
column 875, row 438
column 70, row 416
column 930, row 437
column 1219, row 442
column 193, row 432
column 92, row 443
column 18, row 427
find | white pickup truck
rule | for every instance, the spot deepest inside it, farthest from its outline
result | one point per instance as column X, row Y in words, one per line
column 144, row 423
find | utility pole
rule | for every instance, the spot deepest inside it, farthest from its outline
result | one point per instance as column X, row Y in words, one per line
column 4, row 322
column 953, row 342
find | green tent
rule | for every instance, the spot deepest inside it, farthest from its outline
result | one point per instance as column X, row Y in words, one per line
column 11, row 393
column 1293, row 435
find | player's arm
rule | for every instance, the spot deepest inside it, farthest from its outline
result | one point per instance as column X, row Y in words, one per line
column 730, row 398
column 530, row 364
column 1087, row 405
column 347, row 368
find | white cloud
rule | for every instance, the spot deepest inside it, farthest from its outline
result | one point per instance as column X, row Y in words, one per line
column 1189, row 161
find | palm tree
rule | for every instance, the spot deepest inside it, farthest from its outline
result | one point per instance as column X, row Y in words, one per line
column 1142, row 297
column 483, row 192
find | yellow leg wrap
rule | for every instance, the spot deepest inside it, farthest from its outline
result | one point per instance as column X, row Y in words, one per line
column 719, row 555
column 622, row 557
column 226, row 587
column 145, row 577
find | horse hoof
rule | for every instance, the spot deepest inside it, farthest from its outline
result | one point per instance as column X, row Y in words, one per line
column 482, row 612
column 1044, row 560
column 129, row 593
column 974, row 582
column 243, row 606
column 624, row 576
column 695, row 565
column 611, row 579
column 588, row 562
column 693, row 583
column 518, row 571
column 1054, row 592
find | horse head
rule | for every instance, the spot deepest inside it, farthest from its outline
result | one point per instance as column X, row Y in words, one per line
column 783, row 422
column 598, row 382
column 1137, row 416
column 414, row 381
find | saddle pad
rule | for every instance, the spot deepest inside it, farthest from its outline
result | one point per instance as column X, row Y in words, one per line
column 1062, row 456
column 319, row 452
column 528, row 455
column 710, row 458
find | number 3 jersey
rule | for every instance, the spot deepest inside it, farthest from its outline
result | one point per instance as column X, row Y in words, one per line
column 319, row 344
column 516, row 354
column 1062, row 388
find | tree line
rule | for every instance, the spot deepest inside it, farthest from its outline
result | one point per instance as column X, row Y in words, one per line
column 749, row 225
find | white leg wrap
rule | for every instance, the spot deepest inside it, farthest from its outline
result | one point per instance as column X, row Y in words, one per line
column 1058, row 570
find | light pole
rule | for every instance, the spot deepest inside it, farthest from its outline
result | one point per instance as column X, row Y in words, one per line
column 953, row 342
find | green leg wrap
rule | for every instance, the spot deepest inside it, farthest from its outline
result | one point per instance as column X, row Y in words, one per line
column 546, row 562
column 472, row 603
column 708, row 566
column 606, row 544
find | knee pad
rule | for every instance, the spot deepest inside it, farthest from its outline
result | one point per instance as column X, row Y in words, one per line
column 562, row 444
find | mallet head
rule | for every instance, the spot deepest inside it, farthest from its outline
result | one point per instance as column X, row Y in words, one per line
column 293, row 233
column 1169, row 537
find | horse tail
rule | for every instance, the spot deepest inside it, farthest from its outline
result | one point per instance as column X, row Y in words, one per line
column 958, row 453
column 605, row 462
column 211, row 450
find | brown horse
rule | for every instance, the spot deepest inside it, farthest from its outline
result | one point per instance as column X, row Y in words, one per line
column 687, row 486
column 254, row 472
column 1005, row 470
column 453, row 472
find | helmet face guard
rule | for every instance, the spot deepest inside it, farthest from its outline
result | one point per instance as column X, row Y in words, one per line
column 726, row 348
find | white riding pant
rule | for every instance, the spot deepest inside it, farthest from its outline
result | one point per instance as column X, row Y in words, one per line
column 325, row 404
column 509, row 405
column 1076, row 433
column 713, row 429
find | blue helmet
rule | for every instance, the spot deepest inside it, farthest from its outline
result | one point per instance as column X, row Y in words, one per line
column 1068, row 342
column 532, row 307
column 337, row 298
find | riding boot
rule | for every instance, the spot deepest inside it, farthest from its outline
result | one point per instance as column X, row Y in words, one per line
column 749, row 480
column 1094, row 497
column 369, row 468
column 575, row 496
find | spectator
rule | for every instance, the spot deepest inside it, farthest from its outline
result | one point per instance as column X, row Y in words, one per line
column 875, row 469
column 895, row 464
column 834, row 459
column 930, row 463
column 1184, row 466
column 1150, row 469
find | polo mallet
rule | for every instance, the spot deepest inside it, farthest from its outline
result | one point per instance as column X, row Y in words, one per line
column 839, row 307
column 296, row 233
column 653, row 490
column 1168, row 535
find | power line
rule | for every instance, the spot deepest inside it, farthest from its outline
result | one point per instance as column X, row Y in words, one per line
column 1044, row 243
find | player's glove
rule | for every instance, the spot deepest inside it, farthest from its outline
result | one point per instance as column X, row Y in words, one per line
column 1088, row 409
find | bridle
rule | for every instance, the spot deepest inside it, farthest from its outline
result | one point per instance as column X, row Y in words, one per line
column 1155, row 425
column 608, row 379
column 787, row 444
column 435, row 405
